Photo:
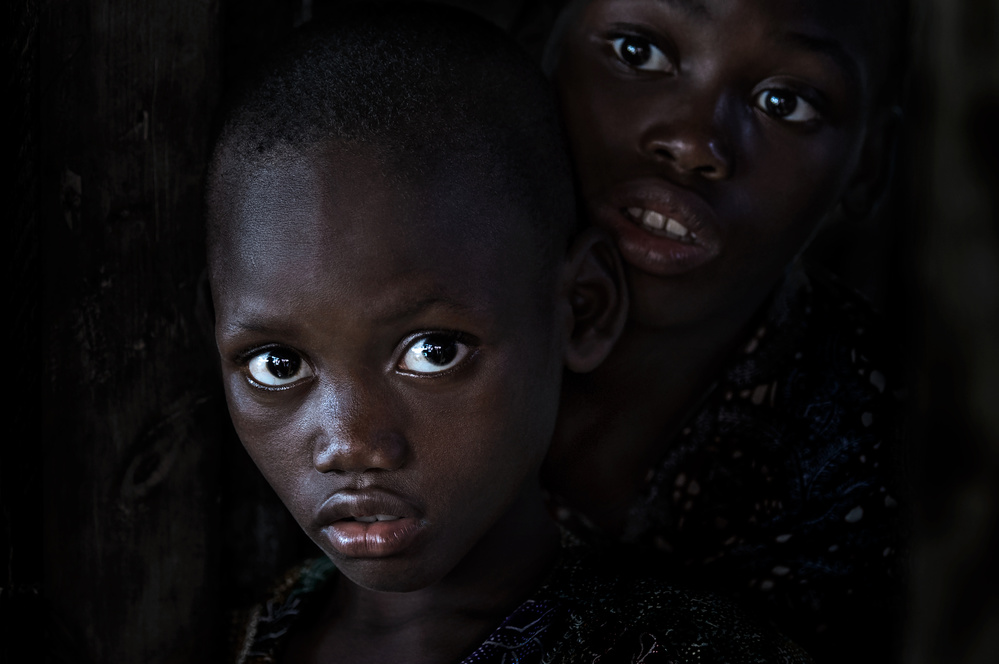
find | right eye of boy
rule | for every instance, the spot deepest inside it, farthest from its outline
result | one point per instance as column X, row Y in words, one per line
column 639, row 53
column 786, row 105
column 277, row 367
column 433, row 353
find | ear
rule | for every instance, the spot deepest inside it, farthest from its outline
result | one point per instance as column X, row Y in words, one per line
column 869, row 184
column 594, row 286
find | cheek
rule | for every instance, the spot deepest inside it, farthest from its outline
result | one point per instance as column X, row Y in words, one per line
column 481, row 434
column 272, row 440
column 592, row 118
column 790, row 189
column 496, row 432
column 525, row 408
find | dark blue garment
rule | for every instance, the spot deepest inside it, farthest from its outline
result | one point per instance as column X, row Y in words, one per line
column 782, row 488
column 585, row 611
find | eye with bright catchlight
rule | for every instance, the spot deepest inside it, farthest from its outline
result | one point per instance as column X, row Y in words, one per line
column 433, row 353
column 641, row 54
column 277, row 367
column 785, row 105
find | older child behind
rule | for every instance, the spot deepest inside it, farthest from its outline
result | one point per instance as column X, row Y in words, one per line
column 396, row 297
column 743, row 429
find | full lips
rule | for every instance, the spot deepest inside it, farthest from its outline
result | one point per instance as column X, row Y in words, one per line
column 647, row 250
column 336, row 522
column 381, row 539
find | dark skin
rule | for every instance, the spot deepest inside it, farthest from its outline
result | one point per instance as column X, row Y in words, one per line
column 710, row 138
column 397, row 384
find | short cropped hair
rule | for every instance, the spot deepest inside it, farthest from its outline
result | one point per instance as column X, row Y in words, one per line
column 428, row 85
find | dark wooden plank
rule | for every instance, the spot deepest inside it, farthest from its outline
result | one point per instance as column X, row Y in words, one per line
column 21, row 449
column 132, row 416
column 955, row 287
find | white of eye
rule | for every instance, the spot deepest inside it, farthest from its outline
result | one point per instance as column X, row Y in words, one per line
column 278, row 367
column 796, row 108
column 641, row 54
column 433, row 353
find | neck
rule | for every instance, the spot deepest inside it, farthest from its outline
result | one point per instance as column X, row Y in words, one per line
column 447, row 620
column 617, row 421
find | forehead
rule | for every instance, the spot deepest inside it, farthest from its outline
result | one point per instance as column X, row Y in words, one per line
column 852, row 13
column 349, row 225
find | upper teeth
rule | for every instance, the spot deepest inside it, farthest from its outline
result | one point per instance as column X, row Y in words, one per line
column 675, row 227
column 658, row 222
column 376, row 517
column 654, row 220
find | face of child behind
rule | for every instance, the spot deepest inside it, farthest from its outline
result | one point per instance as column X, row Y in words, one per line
column 388, row 360
column 712, row 136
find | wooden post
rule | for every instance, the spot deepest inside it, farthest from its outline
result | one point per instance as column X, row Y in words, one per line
column 131, row 415
column 955, row 219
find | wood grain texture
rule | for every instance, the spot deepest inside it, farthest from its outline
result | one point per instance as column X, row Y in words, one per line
column 955, row 219
column 132, row 418
column 21, row 607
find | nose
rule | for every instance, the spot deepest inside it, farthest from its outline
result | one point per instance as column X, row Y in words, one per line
column 355, row 430
column 689, row 140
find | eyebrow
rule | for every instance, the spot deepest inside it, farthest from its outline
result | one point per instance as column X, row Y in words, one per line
column 827, row 47
column 414, row 308
column 393, row 314
column 691, row 7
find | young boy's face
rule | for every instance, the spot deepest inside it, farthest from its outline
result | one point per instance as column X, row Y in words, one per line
column 712, row 136
column 391, row 358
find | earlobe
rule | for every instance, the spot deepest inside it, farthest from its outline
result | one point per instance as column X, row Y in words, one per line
column 594, row 286
column 872, row 178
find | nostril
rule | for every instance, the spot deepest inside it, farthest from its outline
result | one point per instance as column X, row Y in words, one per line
column 691, row 151
column 664, row 154
column 360, row 450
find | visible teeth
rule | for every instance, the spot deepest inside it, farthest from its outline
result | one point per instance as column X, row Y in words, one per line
column 660, row 222
column 676, row 228
column 654, row 220
column 376, row 517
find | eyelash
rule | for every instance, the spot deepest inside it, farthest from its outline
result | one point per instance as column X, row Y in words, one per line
column 247, row 360
column 616, row 41
column 813, row 102
column 463, row 354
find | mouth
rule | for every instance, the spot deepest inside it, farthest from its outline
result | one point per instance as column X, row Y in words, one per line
column 369, row 523
column 659, row 224
column 373, row 519
column 660, row 228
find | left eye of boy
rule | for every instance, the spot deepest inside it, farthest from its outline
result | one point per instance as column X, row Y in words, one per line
column 433, row 353
column 277, row 367
column 640, row 53
column 785, row 105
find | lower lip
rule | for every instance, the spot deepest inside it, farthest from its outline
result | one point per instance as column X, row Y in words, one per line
column 356, row 539
column 652, row 253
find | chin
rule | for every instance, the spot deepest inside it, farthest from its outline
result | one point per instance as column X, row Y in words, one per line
column 664, row 302
column 385, row 576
